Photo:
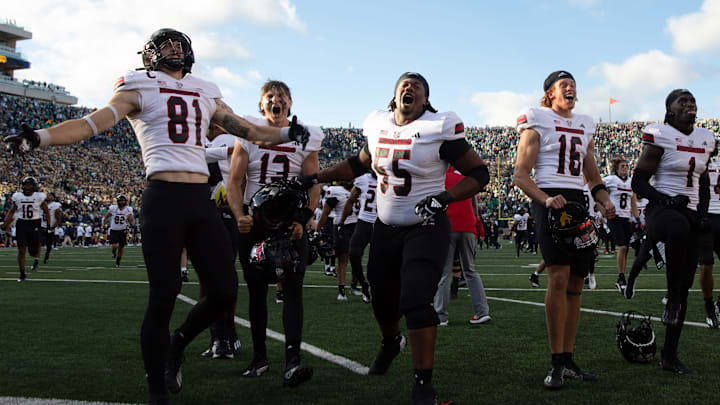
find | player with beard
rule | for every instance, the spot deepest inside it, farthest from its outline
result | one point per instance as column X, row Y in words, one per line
column 566, row 155
column 55, row 214
column 258, row 166
column 625, row 202
column 31, row 206
column 409, row 148
column 170, row 111
column 677, row 154
column 120, row 214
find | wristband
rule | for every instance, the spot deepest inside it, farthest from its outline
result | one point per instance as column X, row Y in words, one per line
column 597, row 188
column 115, row 113
column 44, row 136
column 92, row 125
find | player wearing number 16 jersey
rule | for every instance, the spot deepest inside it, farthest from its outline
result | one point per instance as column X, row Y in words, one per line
column 170, row 111
column 409, row 148
column 558, row 145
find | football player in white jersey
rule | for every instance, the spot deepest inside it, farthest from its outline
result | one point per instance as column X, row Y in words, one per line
column 521, row 229
column 120, row 214
column 258, row 166
column 30, row 206
column 558, row 144
column 710, row 245
column 365, row 191
column 409, row 148
column 55, row 214
column 170, row 111
column 677, row 154
column 336, row 199
column 621, row 194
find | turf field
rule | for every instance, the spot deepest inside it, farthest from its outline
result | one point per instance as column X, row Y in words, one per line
column 71, row 331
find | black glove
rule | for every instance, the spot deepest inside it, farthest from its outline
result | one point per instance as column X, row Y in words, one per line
column 432, row 205
column 678, row 202
column 298, row 133
column 703, row 224
column 304, row 181
column 24, row 141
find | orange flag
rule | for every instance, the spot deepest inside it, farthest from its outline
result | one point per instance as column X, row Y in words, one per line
column 613, row 101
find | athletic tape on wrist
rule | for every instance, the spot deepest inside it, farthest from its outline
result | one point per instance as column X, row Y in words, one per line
column 92, row 125
column 115, row 114
column 44, row 137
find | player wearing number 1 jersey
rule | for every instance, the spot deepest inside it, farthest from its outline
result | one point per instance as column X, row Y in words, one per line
column 621, row 194
column 558, row 145
column 409, row 148
column 120, row 215
column 30, row 206
column 677, row 154
column 170, row 111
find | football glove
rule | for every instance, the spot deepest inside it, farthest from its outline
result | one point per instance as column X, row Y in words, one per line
column 430, row 206
column 678, row 202
column 22, row 142
column 298, row 133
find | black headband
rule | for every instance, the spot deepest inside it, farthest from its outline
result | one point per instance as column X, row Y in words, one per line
column 416, row 76
column 674, row 95
column 555, row 76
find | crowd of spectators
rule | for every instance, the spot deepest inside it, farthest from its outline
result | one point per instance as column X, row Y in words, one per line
column 88, row 176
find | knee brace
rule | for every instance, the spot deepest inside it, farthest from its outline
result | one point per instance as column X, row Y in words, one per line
column 421, row 317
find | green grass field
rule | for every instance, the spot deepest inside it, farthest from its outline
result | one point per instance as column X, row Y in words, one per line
column 72, row 332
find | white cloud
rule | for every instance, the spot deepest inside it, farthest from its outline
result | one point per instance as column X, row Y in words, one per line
column 227, row 78
column 85, row 45
column 653, row 70
column 501, row 108
column 697, row 32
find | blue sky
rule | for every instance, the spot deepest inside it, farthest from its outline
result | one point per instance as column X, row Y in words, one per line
column 484, row 60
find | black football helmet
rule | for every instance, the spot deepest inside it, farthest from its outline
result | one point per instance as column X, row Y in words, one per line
column 274, row 206
column 152, row 57
column 635, row 337
column 572, row 228
column 29, row 185
column 274, row 256
column 323, row 244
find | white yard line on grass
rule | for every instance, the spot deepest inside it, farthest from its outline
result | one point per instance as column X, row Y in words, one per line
column 44, row 401
column 314, row 350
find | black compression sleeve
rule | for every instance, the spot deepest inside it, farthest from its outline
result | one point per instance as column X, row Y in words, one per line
column 641, row 186
column 450, row 151
column 704, row 203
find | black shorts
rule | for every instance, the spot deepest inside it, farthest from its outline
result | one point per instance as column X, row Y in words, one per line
column 119, row 237
column 710, row 242
column 554, row 254
column 27, row 234
column 361, row 237
column 405, row 266
column 620, row 230
column 328, row 228
column 342, row 237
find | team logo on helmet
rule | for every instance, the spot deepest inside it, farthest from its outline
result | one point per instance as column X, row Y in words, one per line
column 571, row 227
column 635, row 337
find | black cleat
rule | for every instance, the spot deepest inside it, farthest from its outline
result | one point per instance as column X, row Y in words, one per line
column 554, row 378
column 366, row 297
column 22, row 278
column 35, row 265
column 185, row 277
column 296, row 375
column 711, row 316
column 385, row 356
column 621, row 284
column 424, row 395
column 279, row 297
column 173, row 371
column 671, row 314
column 674, row 365
column 629, row 290
column 256, row 368
column 534, row 280
column 209, row 351
column 223, row 350
column 572, row 371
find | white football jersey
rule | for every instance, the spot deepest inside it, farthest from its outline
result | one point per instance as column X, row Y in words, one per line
column 173, row 121
column 407, row 161
column 714, row 173
column 119, row 217
column 270, row 163
column 684, row 158
column 563, row 146
column 589, row 201
column 52, row 207
column 521, row 221
column 642, row 206
column 340, row 194
column 368, row 193
column 620, row 192
column 29, row 207
column 217, row 152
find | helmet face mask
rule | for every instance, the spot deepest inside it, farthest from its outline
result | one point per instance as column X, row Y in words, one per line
column 274, row 256
column 121, row 200
column 572, row 228
column 29, row 185
column 152, row 53
column 274, row 207
column 635, row 337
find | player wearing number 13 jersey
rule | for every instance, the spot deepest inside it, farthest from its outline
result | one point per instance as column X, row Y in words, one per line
column 409, row 148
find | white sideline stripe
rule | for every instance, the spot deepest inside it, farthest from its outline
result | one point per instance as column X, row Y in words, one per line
column 592, row 311
column 45, row 401
column 353, row 366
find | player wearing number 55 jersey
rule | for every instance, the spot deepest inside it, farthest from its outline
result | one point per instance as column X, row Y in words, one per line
column 170, row 111
column 677, row 154
column 558, row 145
column 120, row 215
column 29, row 206
column 409, row 148
column 619, row 186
